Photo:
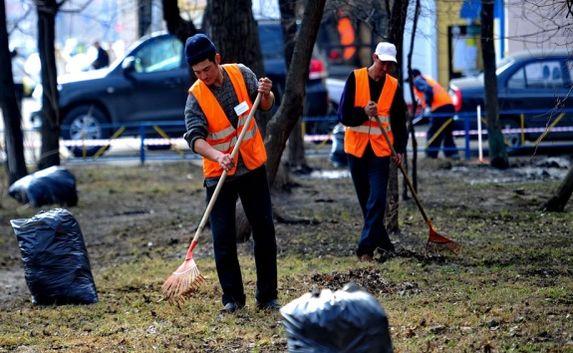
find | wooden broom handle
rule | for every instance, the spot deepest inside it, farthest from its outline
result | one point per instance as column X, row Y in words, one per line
column 224, row 175
column 406, row 178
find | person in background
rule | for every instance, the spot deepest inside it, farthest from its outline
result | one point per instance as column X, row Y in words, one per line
column 214, row 119
column 372, row 92
column 438, row 104
column 18, row 74
column 102, row 59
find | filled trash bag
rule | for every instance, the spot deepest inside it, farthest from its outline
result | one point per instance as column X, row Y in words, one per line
column 337, row 154
column 53, row 185
column 346, row 321
column 55, row 258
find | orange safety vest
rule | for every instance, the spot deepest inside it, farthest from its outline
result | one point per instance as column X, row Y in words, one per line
column 441, row 97
column 222, row 136
column 357, row 138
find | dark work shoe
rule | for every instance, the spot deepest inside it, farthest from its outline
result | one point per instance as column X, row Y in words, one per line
column 231, row 307
column 271, row 305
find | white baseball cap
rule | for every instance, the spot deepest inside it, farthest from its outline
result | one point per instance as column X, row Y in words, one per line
column 386, row 52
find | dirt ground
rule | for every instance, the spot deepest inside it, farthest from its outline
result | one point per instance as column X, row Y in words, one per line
column 139, row 216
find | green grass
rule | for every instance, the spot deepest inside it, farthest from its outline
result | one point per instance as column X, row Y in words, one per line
column 509, row 291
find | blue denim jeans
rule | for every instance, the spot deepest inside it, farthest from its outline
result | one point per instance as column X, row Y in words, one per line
column 370, row 177
column 253, row 189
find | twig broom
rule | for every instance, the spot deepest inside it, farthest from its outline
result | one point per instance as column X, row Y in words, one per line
column 187, row 278
column 434, row 238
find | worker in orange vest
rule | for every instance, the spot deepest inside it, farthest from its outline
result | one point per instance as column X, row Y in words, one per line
column 371, row 92
column 436, row 101
column 217, row 107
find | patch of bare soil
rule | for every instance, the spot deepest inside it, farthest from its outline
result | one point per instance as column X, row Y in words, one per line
column 367, row 278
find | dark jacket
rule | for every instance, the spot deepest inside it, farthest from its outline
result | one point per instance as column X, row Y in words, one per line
column 349, row 115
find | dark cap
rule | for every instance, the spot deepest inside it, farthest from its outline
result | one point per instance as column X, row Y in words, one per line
column 415, row 73
column 198, row 48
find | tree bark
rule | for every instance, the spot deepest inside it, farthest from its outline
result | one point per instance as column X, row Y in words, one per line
column 395, row 36
column 296, row 158
column 411, row 129
column 283, row 122
column 562, row 195
column 50, row 132
column 234, row 31
column 143, row 16
column 497, row 152
column 176, row 25
column 14, row 140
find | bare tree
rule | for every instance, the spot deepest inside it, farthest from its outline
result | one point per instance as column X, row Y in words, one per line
column 497, row 152
column 562, row 194
column 176, row 25
column 234, row 32
column 296, row 158
column 143, row 16
column 283, row 122
column 413, row 99
column 50, row 130
column 396, row 27
column 15, row 162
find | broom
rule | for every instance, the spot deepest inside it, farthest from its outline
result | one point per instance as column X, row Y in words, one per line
column 187, row 278
column 434, row 238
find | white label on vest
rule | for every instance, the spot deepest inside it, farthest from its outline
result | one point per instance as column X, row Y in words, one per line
column 241, row 108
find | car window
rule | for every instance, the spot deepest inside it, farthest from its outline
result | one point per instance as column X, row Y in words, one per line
column 517, row 80
column 540, row 74
column 570, row 69
column 160, row 55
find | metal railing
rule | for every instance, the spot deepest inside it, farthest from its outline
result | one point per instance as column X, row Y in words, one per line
column 522, row 129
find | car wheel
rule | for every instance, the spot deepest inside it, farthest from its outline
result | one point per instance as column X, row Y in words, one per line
column 512, row 139
column 86, row 122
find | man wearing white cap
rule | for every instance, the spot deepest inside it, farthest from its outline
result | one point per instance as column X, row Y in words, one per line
column 372, row 92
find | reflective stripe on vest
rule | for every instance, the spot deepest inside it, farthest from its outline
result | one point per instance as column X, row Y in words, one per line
column 357, row 138
column 221, row 134
column 440, row 96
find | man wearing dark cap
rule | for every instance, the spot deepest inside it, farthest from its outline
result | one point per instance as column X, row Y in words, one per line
column 215, row 113
column 437, row 102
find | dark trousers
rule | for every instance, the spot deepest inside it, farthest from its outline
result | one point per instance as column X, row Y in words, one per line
column 439, row 117
column 253, row 190
column 370, row 177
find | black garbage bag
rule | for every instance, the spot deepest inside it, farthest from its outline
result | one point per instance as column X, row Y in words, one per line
column 337, row 154
column 55, row 258
column 346, row 321
column 53, row 185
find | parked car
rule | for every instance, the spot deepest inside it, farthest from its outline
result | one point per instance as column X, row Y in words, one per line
column 150, row 83
column 529, row 83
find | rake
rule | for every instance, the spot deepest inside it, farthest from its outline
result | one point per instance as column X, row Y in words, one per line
column 187, row 278
column 434, row 238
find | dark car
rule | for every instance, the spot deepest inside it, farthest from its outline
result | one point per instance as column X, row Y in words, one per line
column 150, row 83
column 533, row 90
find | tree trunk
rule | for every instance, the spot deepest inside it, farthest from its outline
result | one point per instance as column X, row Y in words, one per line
column 562, row 195
column 497, row 152
column 283, row 122
column 177, row 26
column 50, row 150
column 395, row 36
column 143, row 16
column 234, row 31
column 413, row 98
column 14, row 140
column 296, row 158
